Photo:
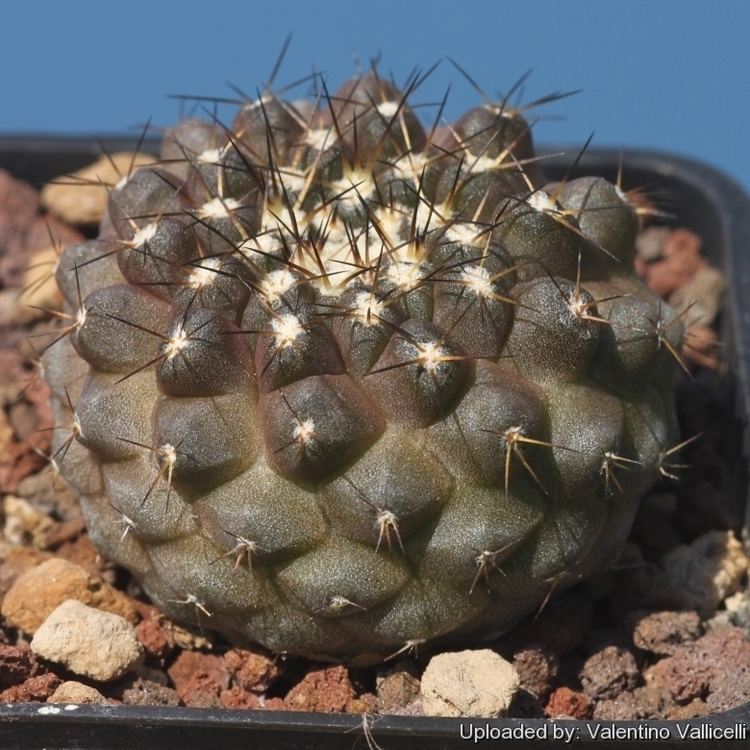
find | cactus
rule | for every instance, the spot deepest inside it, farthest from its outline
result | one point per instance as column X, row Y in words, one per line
column 340, row 384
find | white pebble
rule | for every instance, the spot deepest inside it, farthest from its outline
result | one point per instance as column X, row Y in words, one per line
column 468, row 683
column 88, row 642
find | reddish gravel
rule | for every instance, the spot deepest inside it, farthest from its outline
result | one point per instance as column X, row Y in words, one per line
column 568, row 703
column 608, row 673
column 37, row 688
column 146, row 693
column 705, row 666
column 663, row 633
column 679, row 260
column 252, row 670
column 199, row 679
column 538, row 668
column 19, row 207
column 17, row 664
column 325, row 689
column 397, row 688
column 641, row 703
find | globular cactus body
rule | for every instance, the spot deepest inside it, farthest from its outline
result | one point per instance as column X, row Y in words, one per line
column 339, row 385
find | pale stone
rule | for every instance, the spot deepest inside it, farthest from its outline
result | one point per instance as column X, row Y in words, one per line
column 39, row 284
column 88, row 642
column 72, row 692
column 81, row 197
column 707, row 571
column 701, row 298
column 24, row 524
column 468, row 683
column 37, row 592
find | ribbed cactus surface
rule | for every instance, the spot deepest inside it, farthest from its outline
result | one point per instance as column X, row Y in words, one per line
column 340, row 383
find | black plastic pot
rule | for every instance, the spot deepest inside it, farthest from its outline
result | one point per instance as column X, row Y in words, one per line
column 701, row 199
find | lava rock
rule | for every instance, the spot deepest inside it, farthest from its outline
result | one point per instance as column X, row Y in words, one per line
column 567, row 703
column 147, row 693
column 662, row 633
column 17, row 664
column 326, row 690
column 396, row 688
column 537, row 667
column 252, row 670
column 714, row 663
column 199, row 679
column 706, row 571
column 37, row 688
column 609, row 672
column 641, row 703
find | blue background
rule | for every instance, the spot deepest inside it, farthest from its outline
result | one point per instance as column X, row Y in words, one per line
column 660, row 73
